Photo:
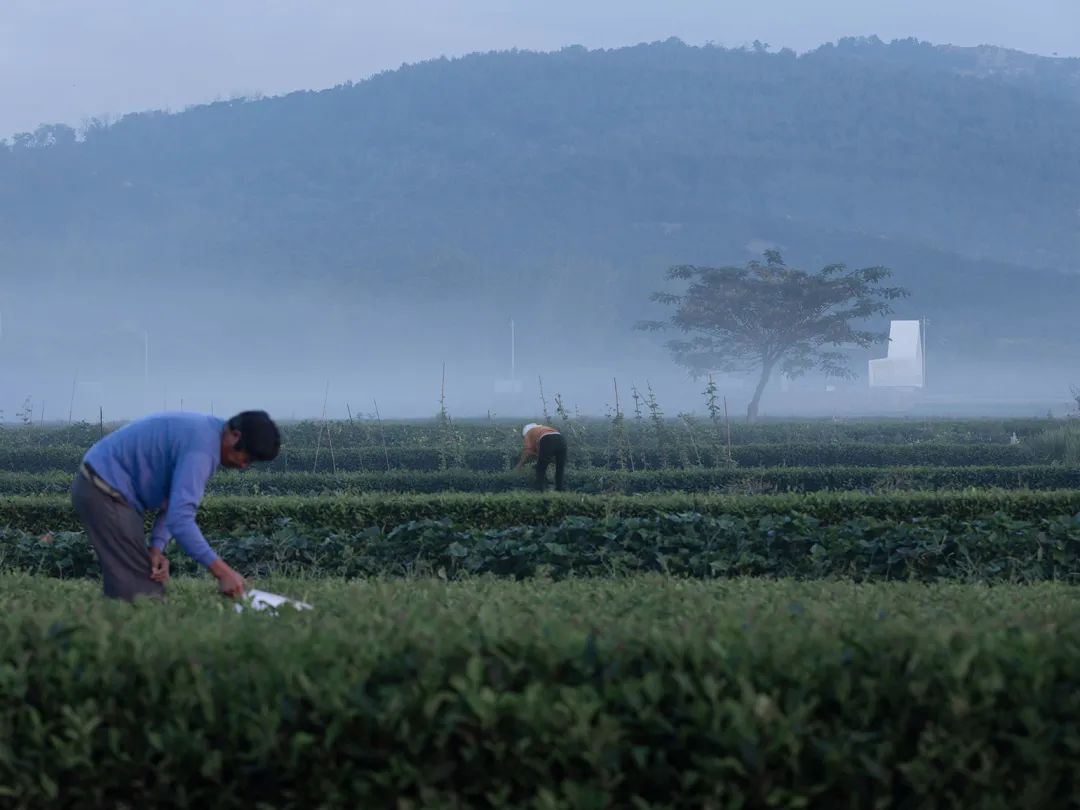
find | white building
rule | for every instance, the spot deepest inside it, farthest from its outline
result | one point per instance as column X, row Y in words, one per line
column 905, row 366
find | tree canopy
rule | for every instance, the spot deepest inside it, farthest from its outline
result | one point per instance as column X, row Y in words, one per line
column 767, row 316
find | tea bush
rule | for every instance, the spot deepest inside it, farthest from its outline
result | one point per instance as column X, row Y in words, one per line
column 645, row 692
column 996, row 548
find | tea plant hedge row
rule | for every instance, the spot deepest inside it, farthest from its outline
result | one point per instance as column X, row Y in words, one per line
column 646, row 692
column 501, row 433
column 428, row 459
column 230, row 514
column 749, row 481
column 994, row 548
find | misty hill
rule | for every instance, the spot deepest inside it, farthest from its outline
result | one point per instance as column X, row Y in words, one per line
column 1055, row 77
column 431, row 202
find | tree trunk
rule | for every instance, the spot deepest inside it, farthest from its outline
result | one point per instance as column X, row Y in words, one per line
column 752, row 408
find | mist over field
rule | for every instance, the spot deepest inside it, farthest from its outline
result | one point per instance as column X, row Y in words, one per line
column 250, row 253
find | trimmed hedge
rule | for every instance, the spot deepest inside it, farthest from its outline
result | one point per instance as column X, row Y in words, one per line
column 348, row 513
column 780, row 480
column 996, row 548
column 505, row 433
column 430, row 459
column 647, row 693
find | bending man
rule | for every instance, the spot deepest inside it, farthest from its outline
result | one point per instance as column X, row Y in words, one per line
column 546, row 444
column 162, row 462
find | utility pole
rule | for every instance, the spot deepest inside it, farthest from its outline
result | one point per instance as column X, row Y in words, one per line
column 513, row 350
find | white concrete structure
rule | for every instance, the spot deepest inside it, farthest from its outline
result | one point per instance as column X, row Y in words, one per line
column 904, row 366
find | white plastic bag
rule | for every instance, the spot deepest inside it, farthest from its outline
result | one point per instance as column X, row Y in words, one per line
column 264, row 600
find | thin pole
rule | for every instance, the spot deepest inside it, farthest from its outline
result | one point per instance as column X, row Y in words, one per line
column 727, row 423
column 382, row 434
column 318, row 442
column 618, row 414
column 333, row 461
column 71, row 407
column 360, row 457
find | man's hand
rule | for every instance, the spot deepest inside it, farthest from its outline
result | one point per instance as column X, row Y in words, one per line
column 230, row 583
column 159, row 565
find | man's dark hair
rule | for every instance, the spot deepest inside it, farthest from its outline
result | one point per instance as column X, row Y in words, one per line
column 259, row 436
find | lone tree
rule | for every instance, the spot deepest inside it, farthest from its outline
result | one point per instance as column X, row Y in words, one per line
column 767, row 315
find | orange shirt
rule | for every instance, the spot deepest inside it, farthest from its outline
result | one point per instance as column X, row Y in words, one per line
column 533, row 437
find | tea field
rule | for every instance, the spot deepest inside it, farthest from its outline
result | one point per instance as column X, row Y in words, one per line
column 785, row 614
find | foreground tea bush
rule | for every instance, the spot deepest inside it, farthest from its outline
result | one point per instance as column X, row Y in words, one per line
column 994, row 549
column 646, row 692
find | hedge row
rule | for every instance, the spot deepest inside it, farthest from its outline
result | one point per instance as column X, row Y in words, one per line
column 997, row 548
column 373, row 459
column 502, row 433
column 598, row 432
column 231, row 514
column 777, row 480
column 648, row 693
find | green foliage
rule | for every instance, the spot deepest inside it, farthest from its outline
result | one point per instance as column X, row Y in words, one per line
column 623, row 450
column 616, row 455
column 994, row 548
column 351, row 513
column 647, row 693
column 594, row 481
column 689, row 454
column 575, row 429
column 487, row 649
column 620, row 455
column 451, row 442
column 491, row 434
column 767, row 316
column 1058, row 445
column 721, row 428
column 657, row 424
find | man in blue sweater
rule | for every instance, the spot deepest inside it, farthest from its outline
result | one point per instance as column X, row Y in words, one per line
column 162, row 462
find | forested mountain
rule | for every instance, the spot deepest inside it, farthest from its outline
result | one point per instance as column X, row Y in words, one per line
column 557, row 187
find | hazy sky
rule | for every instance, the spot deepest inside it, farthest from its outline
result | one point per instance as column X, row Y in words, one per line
column 67, row 60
